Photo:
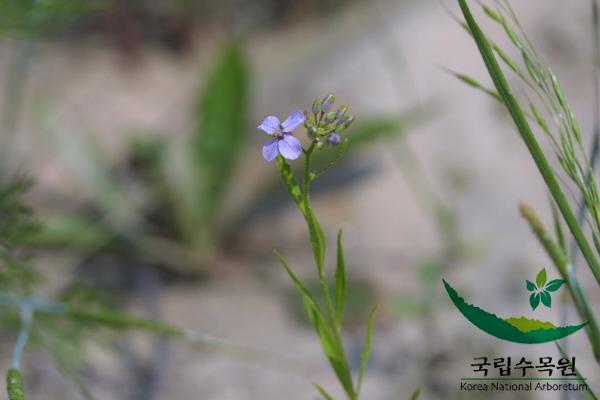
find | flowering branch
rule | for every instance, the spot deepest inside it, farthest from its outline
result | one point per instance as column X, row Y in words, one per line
column 323, row 127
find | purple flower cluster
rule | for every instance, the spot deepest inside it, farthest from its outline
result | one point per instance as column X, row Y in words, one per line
column 323, row 127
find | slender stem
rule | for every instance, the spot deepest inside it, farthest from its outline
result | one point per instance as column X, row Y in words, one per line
column 305, row 208
column 308, row 178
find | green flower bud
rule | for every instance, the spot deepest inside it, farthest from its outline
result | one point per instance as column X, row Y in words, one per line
column 342, row 112
column 316, row 107
column 327, row 102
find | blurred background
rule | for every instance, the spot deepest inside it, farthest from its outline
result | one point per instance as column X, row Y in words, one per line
column 136, row 122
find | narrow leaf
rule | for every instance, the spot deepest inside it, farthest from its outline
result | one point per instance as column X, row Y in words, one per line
column 475, row 84
column 366, row 349
column 317, row 238
column 340, row 281
column 317, row 318
column 326, row 395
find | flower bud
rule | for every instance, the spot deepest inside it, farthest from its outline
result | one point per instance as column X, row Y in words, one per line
column 320, row 145
column 341, row 113
column 343, row 124
column 335, row 139
column 330, row 116
column 316, row 107
column 327, row 102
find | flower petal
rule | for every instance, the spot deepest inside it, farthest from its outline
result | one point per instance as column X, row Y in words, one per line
column 290, row 147
column 270, row 124
column 270, row 149
column 292, row 122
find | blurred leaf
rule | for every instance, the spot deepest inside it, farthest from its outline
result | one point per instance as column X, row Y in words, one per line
column 220, row 132
column 554, row 285
column 364, row 358
column 540, row 279
column 416, row 394
column 341, row 281
column 76, row 232
column 326, row 395
column 19, row 17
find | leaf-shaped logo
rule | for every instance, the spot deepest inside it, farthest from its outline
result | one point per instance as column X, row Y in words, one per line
column 534, row 300
column 540, row 279
column 541, row 291
column 554, row 285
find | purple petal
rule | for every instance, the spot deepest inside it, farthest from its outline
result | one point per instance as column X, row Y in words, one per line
column 270, row 149
column 290, row 147
column 295, row 119
column 270, row 124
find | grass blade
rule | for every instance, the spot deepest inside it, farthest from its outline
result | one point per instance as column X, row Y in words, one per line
column 528, row 137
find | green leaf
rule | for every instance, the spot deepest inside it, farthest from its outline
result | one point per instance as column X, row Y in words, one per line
column 341, row 281
column 540, row 279
column 416, row 394
column 290, row 181
column 326, row 395
column 317, row 238
column 475, row 84
column 220, row 132
column 366, row 349
column 554, row 285
column 534, row 300
column 530, row 286
column 546, row 299
column 316, row 316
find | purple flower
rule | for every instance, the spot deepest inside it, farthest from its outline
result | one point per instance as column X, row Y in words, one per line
column 283, row 141
column 335, row 139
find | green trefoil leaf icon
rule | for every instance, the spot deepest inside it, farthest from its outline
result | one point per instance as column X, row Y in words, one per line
column 541, row 290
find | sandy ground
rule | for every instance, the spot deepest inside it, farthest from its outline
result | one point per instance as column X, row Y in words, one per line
column 378, row 57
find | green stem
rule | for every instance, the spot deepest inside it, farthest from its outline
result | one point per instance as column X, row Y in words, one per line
column 526, row 133
column 314, row 226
